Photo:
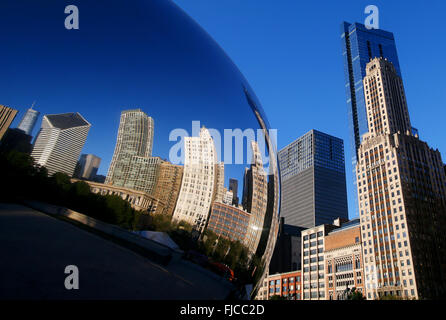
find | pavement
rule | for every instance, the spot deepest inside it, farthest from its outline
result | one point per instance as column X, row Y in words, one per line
column 36, row 248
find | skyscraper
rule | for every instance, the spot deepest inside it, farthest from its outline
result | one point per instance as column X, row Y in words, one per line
column 233, row 186
column 88, row 166
column 60, row 142
column 7, row 115
column 135, row 140
column 29, row 120
column 359, row 45
column 255, row 198
column 199, row 178
column 313, row 187
column 401, row 195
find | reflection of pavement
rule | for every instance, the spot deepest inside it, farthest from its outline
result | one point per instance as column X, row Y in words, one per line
column 36, row 248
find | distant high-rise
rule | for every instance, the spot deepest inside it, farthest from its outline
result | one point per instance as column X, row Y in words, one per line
column 255, row 191
column 233, row 186
column 7, row 115
column 401, row 194
column 88, row 166
column 134, row 141
column 313, row 187
column 60, row 142
column 29, row 121
column 199, row 178
column 359, row 46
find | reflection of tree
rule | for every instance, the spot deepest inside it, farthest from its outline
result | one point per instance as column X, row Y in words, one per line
column 22, row 180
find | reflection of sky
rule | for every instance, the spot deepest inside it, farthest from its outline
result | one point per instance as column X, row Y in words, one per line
column 123, row 57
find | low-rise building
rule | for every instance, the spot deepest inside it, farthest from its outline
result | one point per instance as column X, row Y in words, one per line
column 228, row 221
column 343, row 261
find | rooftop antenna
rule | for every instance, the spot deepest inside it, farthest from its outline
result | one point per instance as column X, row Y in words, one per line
column 34, row 102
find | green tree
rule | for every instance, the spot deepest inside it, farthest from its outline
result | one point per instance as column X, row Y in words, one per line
column 277, row 297
column 355, row 295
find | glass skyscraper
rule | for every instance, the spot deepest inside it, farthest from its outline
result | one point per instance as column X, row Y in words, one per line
column 359, row 46
column 29, row 120
column 313, row 187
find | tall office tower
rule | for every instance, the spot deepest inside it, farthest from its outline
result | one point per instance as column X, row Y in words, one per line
column 359, row 45
column 60, row 141
column 220, row 189
column 29, row 120
column 198, row 184
column 135, row 139
column 233, row 185
column 7, row 115
column 168, row 185
column 256, row 191
column 141, row 174
column 88, row 166
column 401, row 195
column 313, row 188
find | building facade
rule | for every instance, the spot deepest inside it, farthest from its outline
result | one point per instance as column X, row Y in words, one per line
column 401, row 195
column 286, row 285
column 168, row 185
column 343, row 261
column 198, row 184
column 287, row 255
column 134, row 142
column 233, row 186
column 7, row 115
column 29, row 121
column 88, row 166
column 228, row 221
column 60, row 142
column 139, row 200
column 313, row 186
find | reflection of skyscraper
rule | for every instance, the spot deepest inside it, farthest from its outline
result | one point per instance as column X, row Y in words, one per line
column 401, row 195
column 60, row 142
column 359, row 45
column 7, row 115
column 88, row 166
column 313, row 187
column 135, row 140
column 168, row 185
column 219, row 184
column 197, row 187
column 255, row 192
column 29, row 120
column 233, row 186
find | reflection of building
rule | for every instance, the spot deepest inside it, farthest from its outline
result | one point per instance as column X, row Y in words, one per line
column 141, row 174
column 343, row 261
column 228, row 221
column 359, row 45
column 287, row 285
column 233, row 186
column 401, row 195
column 197, row 186
column 313, row 188
column 228, row 196
column 135, row 140
column 287, row 252
column 60, row 142
column 29, row 121
column 220, row 190
column 7, row 115
column 139, row 200
column 255, row 198
column 168, row 185
column 88, row 166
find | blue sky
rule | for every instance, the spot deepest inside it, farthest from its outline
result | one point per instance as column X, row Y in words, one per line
column 290, row 52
